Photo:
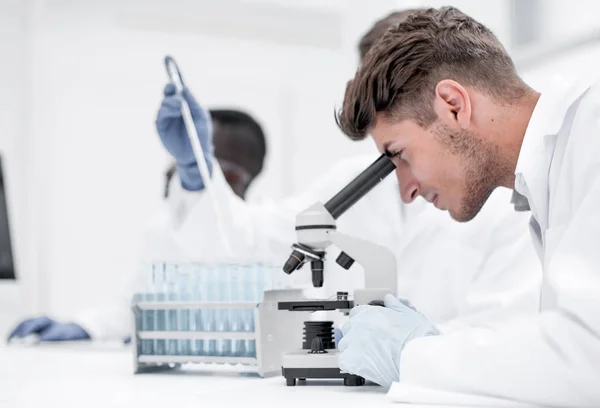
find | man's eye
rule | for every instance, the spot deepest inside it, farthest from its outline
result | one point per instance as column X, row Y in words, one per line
column 396, row 157
column 400, row 157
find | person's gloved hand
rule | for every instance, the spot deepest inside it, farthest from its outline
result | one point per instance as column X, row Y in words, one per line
column 49, row 330
column 174, row 136
column 374, row 337
column 337, row 336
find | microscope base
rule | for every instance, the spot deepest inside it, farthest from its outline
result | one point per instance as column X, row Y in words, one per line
column 300, row 374
column 302, row 365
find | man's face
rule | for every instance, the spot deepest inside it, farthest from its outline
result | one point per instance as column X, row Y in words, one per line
column 233, row 160
column 236, row 176
column 447, row 166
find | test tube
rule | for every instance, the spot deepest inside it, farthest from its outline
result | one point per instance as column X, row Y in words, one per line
column 159, row 315
column 208, row 284
column 148, row 315
column 184, row 294
column 250, row 291
column 197, row 316
column 170, row 287
column 235, row 315
column 263, row 282
column 222, row 277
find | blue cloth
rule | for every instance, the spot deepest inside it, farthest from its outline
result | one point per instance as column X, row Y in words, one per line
column 173, row 134
column 374, row 336
column 49, row 330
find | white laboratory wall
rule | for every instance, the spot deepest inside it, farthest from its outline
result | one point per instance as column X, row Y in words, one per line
column 566, row 45
column 96, row 74
column 569, row 66
column 569, row 20
column 99, row 164
column 13, row 144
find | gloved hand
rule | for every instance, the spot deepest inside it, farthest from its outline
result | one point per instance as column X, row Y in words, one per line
column 49, row 330
column 374, row 336
column 337, row 336
column 174, row 136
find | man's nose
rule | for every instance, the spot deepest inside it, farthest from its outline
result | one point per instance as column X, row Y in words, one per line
column 409, row 186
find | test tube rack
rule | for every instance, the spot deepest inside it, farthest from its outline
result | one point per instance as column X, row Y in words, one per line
column 275, row 332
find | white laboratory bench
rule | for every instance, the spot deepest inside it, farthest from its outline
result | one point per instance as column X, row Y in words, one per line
column 89, row 376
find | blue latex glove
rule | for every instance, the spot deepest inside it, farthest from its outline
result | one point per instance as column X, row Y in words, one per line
column 49, row 330
column 174, row 136
column 374, row 337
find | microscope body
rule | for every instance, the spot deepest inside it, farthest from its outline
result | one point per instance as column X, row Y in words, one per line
column 316, row 231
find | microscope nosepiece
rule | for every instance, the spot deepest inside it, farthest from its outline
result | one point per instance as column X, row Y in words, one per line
column 293, row 262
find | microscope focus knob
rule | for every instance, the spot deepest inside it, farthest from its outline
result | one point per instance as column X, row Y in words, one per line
column 344, row 260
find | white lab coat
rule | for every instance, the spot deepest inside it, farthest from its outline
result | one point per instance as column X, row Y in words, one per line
column 551, row 358
column 456, row 274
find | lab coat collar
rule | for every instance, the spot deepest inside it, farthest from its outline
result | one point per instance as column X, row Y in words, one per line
column 546, row 119
column 533, row 164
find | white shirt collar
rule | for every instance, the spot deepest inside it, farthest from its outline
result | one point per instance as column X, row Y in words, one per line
column 533, row 164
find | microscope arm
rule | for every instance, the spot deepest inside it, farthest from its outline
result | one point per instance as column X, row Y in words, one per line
column 378, row 262
column 316, row 230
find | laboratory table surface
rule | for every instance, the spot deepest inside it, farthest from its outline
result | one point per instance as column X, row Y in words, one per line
column 86, row 376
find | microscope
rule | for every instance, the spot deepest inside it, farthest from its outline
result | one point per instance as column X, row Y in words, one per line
column 316, row 231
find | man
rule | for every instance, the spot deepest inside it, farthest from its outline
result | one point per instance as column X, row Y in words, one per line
column 240, row 157
column 240, row 150
column 441, row 96
column 457, row 274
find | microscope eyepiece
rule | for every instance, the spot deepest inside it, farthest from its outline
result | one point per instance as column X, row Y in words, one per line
column 294, row 261
column 361, row 185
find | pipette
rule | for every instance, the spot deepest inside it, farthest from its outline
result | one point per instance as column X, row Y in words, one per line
column 176, row 78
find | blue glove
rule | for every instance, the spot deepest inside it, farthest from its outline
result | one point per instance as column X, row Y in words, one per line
column 49, row 330
column 174, row 136
column 374, row 337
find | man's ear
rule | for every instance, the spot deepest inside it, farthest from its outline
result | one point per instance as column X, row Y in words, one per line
column 452, row 104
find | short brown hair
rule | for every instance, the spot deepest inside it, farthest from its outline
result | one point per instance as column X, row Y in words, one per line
column 379, row 29
column 399, row 75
